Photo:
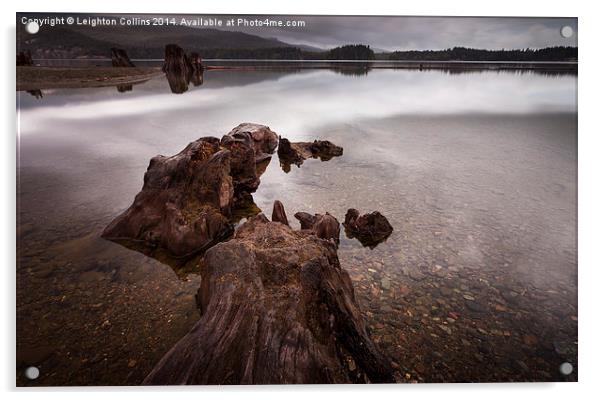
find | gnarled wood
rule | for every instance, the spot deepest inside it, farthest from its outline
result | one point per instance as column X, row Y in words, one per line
column 278, row 213
column 276, row 308
column 187, row 200
column 184, row 203
column 370, row 229
column 177, row 68
column 296, row 153
column 119, row 58
column 323, row 226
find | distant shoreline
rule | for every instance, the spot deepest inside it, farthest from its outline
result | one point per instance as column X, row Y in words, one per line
column 55, row 77
column 270, row 60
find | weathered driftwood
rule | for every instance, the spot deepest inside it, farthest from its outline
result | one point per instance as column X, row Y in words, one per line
column 370, row 229
column 297, row 152
column 119, row 58
column 276, row 305
column 187, row 200
column 184, row 203
column 323, row 226
column 276, row 308
column 196, row 62
column 24, row 58
column 177, row 68
column 263, row 140
column 176, row 60
column 196, row 77
column 278, row 213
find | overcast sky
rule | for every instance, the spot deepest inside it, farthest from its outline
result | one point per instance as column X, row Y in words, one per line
column 408, row 33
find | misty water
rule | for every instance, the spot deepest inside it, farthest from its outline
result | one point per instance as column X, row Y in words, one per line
column 476, row 172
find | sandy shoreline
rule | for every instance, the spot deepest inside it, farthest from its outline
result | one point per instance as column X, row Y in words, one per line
column 32, row 78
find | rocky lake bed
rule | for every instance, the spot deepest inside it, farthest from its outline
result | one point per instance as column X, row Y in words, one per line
column 476, row 282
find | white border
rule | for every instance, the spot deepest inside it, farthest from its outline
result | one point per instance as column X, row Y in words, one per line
column 589, row 193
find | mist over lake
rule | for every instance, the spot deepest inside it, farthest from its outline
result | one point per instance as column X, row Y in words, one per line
column 475, row 171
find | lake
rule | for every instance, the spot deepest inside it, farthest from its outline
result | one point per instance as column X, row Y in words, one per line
column 475, row 170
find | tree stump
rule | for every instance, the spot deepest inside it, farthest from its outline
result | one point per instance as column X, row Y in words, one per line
column 177, row 68
column 277, row 308
column 297, row 152
column 187, row 201
column 119, row 58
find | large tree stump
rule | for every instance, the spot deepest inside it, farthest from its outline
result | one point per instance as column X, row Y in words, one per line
column 276, row 308
column 186, row 204
column 176, row 60
column 177, row 68
column 119, row 58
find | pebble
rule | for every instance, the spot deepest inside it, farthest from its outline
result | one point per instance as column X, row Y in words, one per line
column 386, row 308
column 475, row 306
column 511, row 296
column 446, row 329
column 417, row 276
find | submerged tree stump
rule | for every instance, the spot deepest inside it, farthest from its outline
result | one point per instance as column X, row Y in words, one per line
column 196, row 62
column 297, row 152
column 276, row 308
column 177, row 68
column 187, row 201
column 119, row 58
column 370, row 229
column 323, row 226
column 176, row 60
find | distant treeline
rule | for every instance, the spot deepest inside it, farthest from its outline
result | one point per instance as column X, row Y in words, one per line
column 273, row 53
column 62, row 42
column 348, row 52
column 362, row 52
column 351, row 52
column 558, row 53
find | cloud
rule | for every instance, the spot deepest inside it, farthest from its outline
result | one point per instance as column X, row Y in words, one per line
column 420, row 33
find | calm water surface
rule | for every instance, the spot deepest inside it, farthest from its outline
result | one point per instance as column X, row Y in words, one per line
column 476, row 172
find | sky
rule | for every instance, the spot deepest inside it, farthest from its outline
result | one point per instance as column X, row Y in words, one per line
column 421, row 33
column 387, row 33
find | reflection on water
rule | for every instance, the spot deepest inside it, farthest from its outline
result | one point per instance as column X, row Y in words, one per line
column 125, row 88
column 179, row 80
column 475, row 172
column 37, row 93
